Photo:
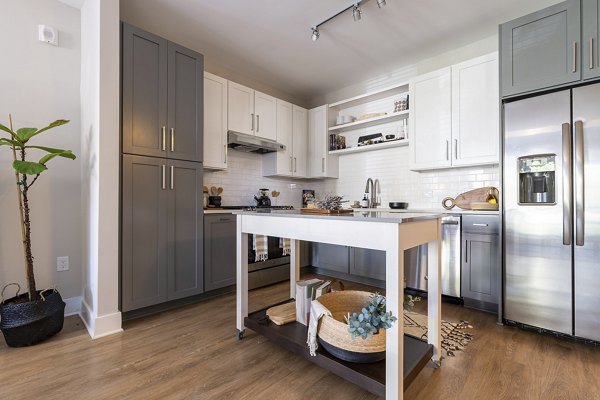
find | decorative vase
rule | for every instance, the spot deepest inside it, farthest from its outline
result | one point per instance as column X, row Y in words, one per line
column 25, row 323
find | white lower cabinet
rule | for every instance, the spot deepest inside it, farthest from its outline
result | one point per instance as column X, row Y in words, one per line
column 215, row 122
column 455, row 119
column 292, row 131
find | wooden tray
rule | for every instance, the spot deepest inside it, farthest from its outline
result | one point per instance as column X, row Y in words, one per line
column 325, row 212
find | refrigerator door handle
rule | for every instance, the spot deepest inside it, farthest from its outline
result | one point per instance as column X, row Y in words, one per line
column 566, row 183
column 579, row 186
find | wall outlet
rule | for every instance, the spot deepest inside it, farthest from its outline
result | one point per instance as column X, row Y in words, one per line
column 62, row 263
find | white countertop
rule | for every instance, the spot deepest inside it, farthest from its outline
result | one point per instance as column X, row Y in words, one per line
column 362, row 216
column 219, row 211
column 455, row 210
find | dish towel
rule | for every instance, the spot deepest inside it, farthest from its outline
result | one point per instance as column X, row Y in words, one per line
column 284, row 243
column 317, row 310
column 261, row 248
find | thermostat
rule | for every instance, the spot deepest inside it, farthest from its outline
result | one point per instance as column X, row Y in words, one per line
column 48, row 34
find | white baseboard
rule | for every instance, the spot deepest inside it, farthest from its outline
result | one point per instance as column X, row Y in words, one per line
column 73, row 306
column 98, row 327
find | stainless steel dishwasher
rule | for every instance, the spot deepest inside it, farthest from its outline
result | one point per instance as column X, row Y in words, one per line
column 416, row 260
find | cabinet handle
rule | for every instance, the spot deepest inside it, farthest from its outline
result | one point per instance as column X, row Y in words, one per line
column 323, row 164
column 466, row 251
column 592, row 52
column 291, row 164
column 164, row 138
column 225, row 154
column 456, row 149
column 295, row 164
column 480, row 224
column 252, row 122
column 172, row 177
column 172, row 139
column 447, row 149
column 574, row 57
column 224, row 219
column 257, row 123
column 164, row 177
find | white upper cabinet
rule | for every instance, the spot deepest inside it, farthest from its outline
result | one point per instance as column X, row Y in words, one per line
column 215, row 121
column 320, row 163
column 251, row 112
column 300, row 140
column 475, row 111
column 455, row 115
column 240, row 109
column 430, row 125
column 292, row 131
column 265, row 111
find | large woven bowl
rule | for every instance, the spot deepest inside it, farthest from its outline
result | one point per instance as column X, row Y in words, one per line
column 333, row 331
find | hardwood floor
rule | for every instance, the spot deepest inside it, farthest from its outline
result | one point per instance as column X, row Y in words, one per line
column 191, row 353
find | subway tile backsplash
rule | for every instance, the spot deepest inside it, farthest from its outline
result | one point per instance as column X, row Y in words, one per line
column 398, row 183
column 243, row 178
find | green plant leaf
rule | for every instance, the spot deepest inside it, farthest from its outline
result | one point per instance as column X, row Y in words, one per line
column 8, row 130
column 50, row 156
column 9, row 142
column 28, row 167
column 58, row 152
column 54, row 124
column 25, row 133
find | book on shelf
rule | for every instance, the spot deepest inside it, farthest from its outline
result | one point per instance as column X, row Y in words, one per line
column 304, row 295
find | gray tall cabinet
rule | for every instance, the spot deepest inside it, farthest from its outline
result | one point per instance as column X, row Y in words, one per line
column 554, row 47
column 162, row 221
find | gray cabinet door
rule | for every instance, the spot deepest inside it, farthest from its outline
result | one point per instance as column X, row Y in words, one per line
column 219, row 251
column 480, row 267
column 368, row 263
column 541, row 50
column 331, row 257
column 185, row 216
column 185, row 108
column 144, row 233
column 144, row 91
column 590, row 35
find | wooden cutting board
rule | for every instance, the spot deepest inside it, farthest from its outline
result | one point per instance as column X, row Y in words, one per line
column 465, row 199
column 282, row 314
column 326, row 212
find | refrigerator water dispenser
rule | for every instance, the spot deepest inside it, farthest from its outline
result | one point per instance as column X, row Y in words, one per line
column 536, row 179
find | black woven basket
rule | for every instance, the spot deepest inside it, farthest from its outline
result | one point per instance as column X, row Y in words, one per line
column 28, row 323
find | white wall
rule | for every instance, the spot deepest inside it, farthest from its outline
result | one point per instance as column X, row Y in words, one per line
column 243, row 178
column 39, row 84
column 391, row 166
column 100, row 165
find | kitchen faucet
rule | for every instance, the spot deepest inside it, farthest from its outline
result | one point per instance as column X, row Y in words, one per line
column 372, row 188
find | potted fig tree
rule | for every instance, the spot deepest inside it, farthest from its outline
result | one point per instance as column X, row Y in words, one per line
column 31, row 317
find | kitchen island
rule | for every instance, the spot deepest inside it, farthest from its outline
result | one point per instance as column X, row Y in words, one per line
column 390, row 232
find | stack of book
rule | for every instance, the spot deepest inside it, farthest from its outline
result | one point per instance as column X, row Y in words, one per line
column 307, row 291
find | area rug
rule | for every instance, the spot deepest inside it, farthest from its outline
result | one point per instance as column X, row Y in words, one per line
column 454, row 335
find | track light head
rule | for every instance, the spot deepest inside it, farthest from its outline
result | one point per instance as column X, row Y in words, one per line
column 315, row 34
column 356, row 12
column 380, row 3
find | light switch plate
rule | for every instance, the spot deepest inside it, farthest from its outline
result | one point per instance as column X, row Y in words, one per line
column 62, row 263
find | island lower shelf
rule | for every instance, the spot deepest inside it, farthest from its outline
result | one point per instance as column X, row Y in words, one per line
column 371, row 377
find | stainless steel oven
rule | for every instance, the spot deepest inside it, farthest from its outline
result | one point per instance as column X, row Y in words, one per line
column 276, row 268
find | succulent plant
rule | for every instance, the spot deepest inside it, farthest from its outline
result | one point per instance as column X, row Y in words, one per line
column 331, row 203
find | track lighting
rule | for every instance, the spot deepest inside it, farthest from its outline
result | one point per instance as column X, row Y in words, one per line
column 356, row 15
column 315, row 34
column 356, row 12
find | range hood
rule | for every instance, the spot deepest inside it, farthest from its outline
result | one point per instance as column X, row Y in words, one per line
column 252, row 144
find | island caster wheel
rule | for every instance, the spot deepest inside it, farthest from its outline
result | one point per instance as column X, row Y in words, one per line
column 239, row 335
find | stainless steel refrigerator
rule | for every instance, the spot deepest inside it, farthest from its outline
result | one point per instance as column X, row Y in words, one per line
column 552, row 211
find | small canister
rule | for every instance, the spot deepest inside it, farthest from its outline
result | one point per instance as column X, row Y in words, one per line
column 214, row 201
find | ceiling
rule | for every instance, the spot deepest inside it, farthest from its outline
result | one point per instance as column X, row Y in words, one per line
column 269, row 41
